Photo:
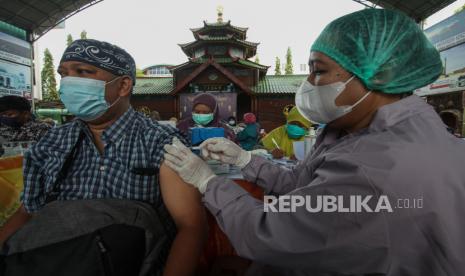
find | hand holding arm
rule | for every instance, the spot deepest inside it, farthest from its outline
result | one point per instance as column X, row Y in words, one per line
column 269, row 176
column 187, row 165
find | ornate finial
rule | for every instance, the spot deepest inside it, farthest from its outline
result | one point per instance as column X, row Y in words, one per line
column 219, row 9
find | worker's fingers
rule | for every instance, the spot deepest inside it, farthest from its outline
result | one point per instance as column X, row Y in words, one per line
column 205, row 153
column 210, row 141
column 215, row 156
column 177, row 143
column 206, row 142
column 204, row 147
column 171, row 149
column 218, row 147
column 174, row 159
column 175, row 152
column 178, row 149
column 171, row 165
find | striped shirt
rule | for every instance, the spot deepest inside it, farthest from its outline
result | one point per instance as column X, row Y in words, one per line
column 127, row 168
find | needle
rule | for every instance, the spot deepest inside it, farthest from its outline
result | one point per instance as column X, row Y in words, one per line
column 274, row 142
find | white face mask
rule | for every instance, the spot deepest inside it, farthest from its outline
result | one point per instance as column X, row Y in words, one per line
column 318, row 103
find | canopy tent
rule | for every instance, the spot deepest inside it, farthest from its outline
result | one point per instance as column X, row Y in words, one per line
column 37, row 17
column 419, row 10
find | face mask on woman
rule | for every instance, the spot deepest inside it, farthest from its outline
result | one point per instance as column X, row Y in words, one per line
column 202, row 119
column 295, row 132
column 318, row 102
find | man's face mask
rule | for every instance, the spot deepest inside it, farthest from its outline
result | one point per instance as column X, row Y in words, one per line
column 13, row 122
column 295, row 132
column 318, row 103
column 202, row 119
column 85, row 97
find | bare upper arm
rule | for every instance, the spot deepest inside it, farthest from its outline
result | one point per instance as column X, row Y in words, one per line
column 182, row 200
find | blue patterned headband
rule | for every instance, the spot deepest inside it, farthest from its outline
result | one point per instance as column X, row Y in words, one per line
column 103, row 55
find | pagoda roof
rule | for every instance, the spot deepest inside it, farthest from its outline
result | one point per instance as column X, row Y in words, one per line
column 182, row 65
column 219, row 25
column 252, row 64
column 224, row 60
column 215, row 38
column 217, row 66
column 187, row 47
column 271, row 84
column 226, row 38
column 221, row 60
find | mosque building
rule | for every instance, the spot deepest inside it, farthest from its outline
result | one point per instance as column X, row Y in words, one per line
column 218, row 62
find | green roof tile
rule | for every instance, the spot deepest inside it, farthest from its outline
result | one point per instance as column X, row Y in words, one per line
column 182, row 45
column 220, row 60
column 252, row 64
column 157, row 65
column 150, row 86
column 215, row 38
column 283, row 84
column 254, row 44
column 219, row 38
column 175, row 67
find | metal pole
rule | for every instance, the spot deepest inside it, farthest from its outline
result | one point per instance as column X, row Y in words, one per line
column 32, row 74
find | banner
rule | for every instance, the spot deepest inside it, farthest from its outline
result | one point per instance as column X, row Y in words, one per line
column 443, row 85
column 15, row 50
column 15, row 79
column 448, row 36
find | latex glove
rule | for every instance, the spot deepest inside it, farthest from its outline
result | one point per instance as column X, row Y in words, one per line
column 277, row 153
column 191, row 168
column 236, row 130
column 225, row 151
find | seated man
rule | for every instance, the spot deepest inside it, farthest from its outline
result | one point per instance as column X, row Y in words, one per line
column 17, row 123
column 110, row 152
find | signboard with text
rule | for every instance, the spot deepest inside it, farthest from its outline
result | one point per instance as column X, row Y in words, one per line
column 15, row 50
column 15, row 66
column 448, row 36
column 15, row 79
